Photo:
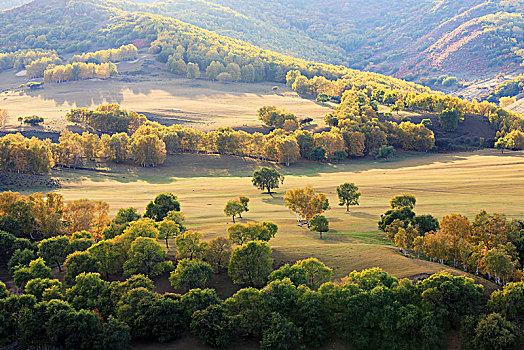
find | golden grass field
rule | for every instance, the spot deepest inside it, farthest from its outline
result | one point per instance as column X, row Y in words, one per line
column 162, row 96
column 443, row 183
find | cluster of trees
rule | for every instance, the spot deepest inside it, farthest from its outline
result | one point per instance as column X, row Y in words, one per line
column 22, row 59
column 24, row 155
column 298, row 307
column 109, row 119
column 490, row 245
column 79, row 71
column 39, row 216
column 123, row 53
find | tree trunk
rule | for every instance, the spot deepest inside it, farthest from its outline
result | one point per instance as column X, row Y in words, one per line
column 347, row 207
column 320, row 234
column 59, row 267
column 233, row 218
column 167, row 244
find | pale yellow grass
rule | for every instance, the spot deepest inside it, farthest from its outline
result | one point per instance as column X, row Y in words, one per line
column 201, row 104
column 462, row 183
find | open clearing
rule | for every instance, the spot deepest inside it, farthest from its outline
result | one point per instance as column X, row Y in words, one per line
column 161, row 96
column 443, row 183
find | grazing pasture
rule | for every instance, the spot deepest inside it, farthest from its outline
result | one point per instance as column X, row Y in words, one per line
column 443, row 183
column 161, row 96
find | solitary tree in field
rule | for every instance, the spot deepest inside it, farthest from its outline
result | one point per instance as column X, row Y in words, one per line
column 320, row 224
column 403, row 200
column 267, row 178
column 233, row 208
column 348, row 195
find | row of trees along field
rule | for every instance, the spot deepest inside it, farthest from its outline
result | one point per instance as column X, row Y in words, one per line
column 150, row 142
column 490, row 245
column 47, row 64
column 298, row 306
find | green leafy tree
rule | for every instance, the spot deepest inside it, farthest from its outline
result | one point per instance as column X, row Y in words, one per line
column 316, row 272
column 109, row 258
column 242, row 233
column 312, row 318
column 198, row 299
column 54, row 250
column 218, row 253
column 348, row 195
column 36, row 269
column 251, row 264
column 403, row 200
column 385, row 152
column 509, row 301
column 233, row 208
column 450, row 297
column 189, row 245
column 191, row 274
column 213, row 326
column 146, row 256
column 267, row 178
column 39, row 286
column 20, row 258
column 426, row 223
column 449, row 119
column 491, row 332
column 248, row 308
column 320, row 224
column 161, row 205
column 297, row 274
column 79, row 262
column 126, row 215
column 151, row 316
column 167, row 229
column 282, row 334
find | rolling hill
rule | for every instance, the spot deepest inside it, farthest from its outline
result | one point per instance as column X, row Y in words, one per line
column 469, row 39
column 80, row 26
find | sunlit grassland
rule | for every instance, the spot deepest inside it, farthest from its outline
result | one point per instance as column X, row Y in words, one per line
column 443, row 183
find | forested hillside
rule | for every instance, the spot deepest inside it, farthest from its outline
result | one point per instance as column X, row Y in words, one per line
column 408, row 39
column 82, row 26
column 412, row 39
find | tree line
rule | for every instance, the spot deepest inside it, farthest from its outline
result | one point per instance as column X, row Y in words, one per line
column 79, row 71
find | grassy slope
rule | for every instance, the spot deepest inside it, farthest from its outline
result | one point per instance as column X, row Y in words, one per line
column 163, row 97
column 462, row 183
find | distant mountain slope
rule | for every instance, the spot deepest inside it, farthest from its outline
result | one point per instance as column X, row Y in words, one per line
column 407, row 38
column 85, row 25
column 410, row 39
column 289, row 40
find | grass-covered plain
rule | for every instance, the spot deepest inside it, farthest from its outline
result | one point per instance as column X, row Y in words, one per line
column 443, row 183
column 162, row 96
